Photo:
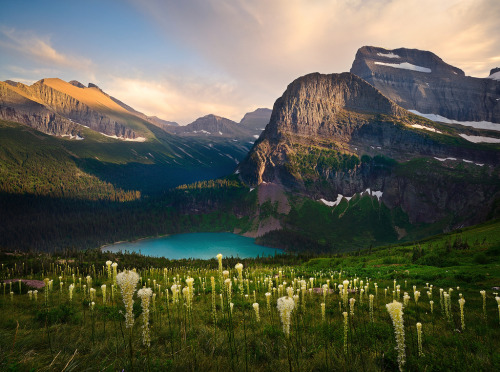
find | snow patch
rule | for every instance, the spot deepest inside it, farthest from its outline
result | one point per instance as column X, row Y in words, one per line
column 201, row 131
column 444, row 159
column 378, row 194
column 406, row 66
column 475, row 124
column 220, row 133
column 138, row 139
column 333, row 203
column 77, row 137
column 418, row 126
column 388, row 55
column 255, row 136
column 237, row 171
column 251, row 189
column 477, row 139
column 495, row 76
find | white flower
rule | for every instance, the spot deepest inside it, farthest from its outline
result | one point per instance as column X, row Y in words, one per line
column 127, row 281
column 395, row 310
column 145, row 295
column 285, row 307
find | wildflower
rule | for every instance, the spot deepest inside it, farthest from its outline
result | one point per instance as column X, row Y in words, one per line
column 228, row 289
column 323, row 312
column 70, row 288
column 419, row 338
column 345, row 331
column 127, row 281
column 256, row 308
column 285, row 308
column 268, row 300
column 296, row 300
column 214, row 307
column 351, row 306
column 395, row 310
column 406, row 299
column 219, row 258
column 446, row 297
column 231, row 305
column 30, row 294
column 417, row 296
column 114, row 265
column 498, row 302
column 108, row 265
column 325, row 291
column 35, row 294
column 189, row 293
column 103, row 289
column 145, row 295
column 92, row 304
column 462, row 302
column 175, row 293
column 92, row 294
column 225, row 273
column 432, row 306
column 371, row 307
column 483, row 294
column 239, row 268
column 11, row 296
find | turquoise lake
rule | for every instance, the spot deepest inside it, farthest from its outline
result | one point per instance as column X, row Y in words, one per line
column 196, row 245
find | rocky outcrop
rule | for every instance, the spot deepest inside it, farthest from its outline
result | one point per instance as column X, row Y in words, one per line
column 256, row 120
column 420, row 80
column 323, row 125
column 50, row 100
column 17, row 108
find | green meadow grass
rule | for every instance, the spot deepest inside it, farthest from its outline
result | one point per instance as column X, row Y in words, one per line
column 68, row 335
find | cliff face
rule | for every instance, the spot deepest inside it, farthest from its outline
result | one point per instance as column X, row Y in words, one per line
column 323, row 125
column 15, row 107
column 420, row 80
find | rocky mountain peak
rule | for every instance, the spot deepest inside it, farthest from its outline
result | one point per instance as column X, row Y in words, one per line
column 315, row 104
column 77, row 84
column 420, row 80
column 401, row 61
column 494, row 70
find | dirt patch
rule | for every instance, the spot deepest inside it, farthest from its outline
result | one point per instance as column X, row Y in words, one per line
column 274, row 192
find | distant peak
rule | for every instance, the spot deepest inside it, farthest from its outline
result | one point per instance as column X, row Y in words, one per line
column 77, row 84
column 92, row 85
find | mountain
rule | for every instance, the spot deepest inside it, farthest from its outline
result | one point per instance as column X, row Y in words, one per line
column 44, row 104
column 338, row 140
column 421, row 81
column 256, row 120
column 214, row 126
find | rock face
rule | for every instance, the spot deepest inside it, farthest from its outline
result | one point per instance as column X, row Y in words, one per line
column 420, row 80
column 323, row 125
column 69, row 104
column 256, row 120
column 16, row 107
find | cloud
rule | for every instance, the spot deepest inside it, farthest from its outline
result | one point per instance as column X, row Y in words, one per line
column 179, row 99
column 274, row 42
column 39, row 49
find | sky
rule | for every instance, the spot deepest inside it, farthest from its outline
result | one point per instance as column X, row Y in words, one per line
column 182, row 59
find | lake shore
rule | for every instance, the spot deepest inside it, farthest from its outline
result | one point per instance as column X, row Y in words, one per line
column 102, row 247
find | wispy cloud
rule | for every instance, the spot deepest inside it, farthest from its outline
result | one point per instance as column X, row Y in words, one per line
column 179, row 99
column 39, row 49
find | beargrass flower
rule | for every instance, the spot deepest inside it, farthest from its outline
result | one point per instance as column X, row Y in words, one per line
column 432, row 306
column 145, row 295
column 395, row 310
column 268, row 300
column 103, row 290
column 351, row 306
column 70, row 289
column 127, row 281
column 256, row 308
column 345, row 330
column 35, row 294
column 371, row 307
column 323, row 315
column 108, row 266
column 285, row 308
column 461, row 302
column 30, row 294
column 114, row 265
column 419, row 339
column 483, row 294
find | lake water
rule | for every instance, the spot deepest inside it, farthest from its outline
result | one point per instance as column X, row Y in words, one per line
column 196, row 245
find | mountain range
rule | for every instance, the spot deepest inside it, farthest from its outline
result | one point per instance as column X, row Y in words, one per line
column 403, row 146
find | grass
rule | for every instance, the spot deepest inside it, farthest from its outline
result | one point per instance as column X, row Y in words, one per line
column 67, row 335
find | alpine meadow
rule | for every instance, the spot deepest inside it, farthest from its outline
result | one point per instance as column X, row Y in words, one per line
column 215, row 185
